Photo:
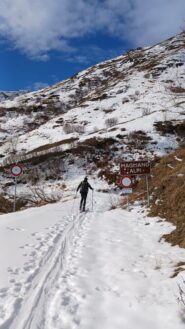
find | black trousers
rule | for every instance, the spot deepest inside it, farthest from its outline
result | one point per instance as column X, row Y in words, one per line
column 83, row 200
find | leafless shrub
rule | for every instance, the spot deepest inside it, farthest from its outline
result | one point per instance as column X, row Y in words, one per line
column 71, row 128
column 34, row 176
column 113, row 202
column 39, row 196
column 170, row 127
column 108, row 175
column 13, row 143
column 102, row 163
column 6, row 205
column 138, row 139
column 99, row 143
column 146, row 112
column 79, row 129
column 55, row 166
column 110, row 122
column 68, row 128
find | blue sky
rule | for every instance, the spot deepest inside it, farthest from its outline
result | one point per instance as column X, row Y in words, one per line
column 19, row 71
column 43, row 41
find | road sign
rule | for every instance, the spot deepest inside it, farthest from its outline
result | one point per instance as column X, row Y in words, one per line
column 126, row 181
column 16, row 170
column 135, row 168
column 126, row 191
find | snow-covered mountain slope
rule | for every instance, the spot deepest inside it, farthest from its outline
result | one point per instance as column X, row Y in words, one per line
column 10, row 95
column 129, row 107
column 129, row 93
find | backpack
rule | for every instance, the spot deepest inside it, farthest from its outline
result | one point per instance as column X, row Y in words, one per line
column 84, row 187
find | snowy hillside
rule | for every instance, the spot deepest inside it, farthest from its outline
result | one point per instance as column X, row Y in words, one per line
column 129, row 93
column 10, row 95
column 129, row 107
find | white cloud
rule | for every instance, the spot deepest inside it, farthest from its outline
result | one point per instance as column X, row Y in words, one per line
column 38, row 26
column 155, row 20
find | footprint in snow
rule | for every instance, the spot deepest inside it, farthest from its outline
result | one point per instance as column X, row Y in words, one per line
column 14, row 271
column 3, row 292
column 17, row 229
column 12, row 281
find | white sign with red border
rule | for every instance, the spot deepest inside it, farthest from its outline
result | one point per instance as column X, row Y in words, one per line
column 126, row 190
column 126, row 181
column 16, row 170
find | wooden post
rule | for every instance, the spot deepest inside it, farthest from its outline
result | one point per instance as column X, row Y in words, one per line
column 148, row 193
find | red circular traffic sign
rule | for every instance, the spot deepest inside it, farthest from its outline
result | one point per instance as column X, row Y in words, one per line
column 126, row 181
column 16, row 170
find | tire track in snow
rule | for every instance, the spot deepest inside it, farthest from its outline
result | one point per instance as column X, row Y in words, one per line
column 25, row 315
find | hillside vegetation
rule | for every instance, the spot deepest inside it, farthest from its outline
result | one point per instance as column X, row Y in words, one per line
column 167, row 190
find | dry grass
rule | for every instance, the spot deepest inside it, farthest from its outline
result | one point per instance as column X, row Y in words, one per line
column 138, row 139
column 108, row 175
column 99, row 143
column 167, row 187
column 179, row 267
column 177, row 89
column 6, row 205
column 169, row 127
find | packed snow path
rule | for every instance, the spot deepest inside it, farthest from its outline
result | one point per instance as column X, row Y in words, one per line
column 99, row 269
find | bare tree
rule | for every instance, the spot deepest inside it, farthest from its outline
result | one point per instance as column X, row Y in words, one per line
column 110, row 122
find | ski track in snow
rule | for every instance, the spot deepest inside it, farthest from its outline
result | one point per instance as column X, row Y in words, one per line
column 93, row 270
column 106, row 292
column 43, row 268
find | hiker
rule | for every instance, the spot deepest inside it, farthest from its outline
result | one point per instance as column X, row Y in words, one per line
column 83, row 187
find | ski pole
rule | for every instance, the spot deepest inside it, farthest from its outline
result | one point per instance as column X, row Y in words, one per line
column 92, row 200
column 73, row 203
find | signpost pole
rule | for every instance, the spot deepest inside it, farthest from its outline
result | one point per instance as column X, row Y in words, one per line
column 15, row 191
column 127, row 203
column 147, row 189
column 16, row 170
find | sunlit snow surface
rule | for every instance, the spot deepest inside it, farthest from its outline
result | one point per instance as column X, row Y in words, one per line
column 63, row 269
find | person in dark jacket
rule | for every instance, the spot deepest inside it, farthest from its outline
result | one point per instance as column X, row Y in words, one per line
column 84, row 187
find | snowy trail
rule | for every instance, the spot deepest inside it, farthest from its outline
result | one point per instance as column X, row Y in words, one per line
column 34, row 244
column 91, row 270
column 44, row 277
column 117, row 276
